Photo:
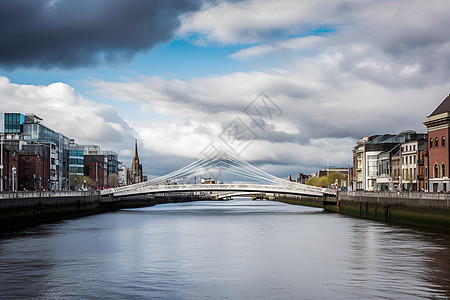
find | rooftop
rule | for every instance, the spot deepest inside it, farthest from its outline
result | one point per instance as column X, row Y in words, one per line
column 443, row 107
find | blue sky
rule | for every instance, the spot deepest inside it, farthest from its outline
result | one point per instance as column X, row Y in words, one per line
column 176, row 74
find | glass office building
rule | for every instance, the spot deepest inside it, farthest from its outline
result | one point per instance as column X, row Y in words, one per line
column 76, row 166
column 29, row 128
column 14, row 122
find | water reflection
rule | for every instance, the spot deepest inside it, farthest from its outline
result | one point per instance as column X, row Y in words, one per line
column 239, row 249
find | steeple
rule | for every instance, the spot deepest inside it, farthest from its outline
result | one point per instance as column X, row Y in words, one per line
column 136, row 156
column 135, row 174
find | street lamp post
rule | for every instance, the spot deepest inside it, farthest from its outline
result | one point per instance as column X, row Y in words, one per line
column 13, row 177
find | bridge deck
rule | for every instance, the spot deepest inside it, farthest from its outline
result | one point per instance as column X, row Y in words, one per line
column 294, row 189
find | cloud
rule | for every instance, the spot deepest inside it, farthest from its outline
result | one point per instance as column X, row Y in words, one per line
column 324, row 112
column 394, row 43
column 292, row 45
column 68, row 112
column 254, row 21
column 75, row 33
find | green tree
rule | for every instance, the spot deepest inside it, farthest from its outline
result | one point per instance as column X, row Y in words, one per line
column 336, row 176
column 113, row 180
column 76, row 181
column 88, row 182
column 312, row 181
column 323, row 181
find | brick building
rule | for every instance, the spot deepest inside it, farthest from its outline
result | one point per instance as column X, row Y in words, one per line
column 95, row 167
column 33, row 167
column 438, row 124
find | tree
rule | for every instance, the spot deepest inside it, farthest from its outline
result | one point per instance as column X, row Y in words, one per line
column 336, row 176
column 312, row 181
column 113, row 180
column 88, row 182
column 76, row 181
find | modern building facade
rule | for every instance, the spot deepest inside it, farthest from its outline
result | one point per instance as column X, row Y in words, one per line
column 30, row 129
column 76, row 165
column 36, row 157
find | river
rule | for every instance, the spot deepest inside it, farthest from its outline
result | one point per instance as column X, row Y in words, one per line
column 238, row 249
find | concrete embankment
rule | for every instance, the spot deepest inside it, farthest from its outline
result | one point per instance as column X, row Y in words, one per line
column 429, row 210
column 27, row 208
column 301, row 200
column 21, row 209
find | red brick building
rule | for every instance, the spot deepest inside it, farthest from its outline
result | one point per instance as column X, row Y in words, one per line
column 33, row 167
column 10, row 161
column 438, row 126
column 95, row 167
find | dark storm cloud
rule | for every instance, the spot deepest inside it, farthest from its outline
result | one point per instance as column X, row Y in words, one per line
column 73, row 33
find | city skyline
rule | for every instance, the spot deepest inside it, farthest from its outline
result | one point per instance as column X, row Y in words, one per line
column 336, row 71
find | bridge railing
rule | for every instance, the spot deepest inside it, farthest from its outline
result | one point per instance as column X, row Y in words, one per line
column 45, row 194
column 284, row 188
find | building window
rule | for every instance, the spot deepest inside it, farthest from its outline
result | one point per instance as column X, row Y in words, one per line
column 27, row 159
column 443, row 142
column 436, row 171
column 437, row 143
column 443, row 170
column 431, row 143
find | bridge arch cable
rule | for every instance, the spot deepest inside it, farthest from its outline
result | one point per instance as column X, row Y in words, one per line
column 221, row 159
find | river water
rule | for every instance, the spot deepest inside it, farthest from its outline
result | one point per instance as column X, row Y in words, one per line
column 239, row 249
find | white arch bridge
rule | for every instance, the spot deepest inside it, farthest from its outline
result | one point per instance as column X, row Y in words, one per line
column 221, row 163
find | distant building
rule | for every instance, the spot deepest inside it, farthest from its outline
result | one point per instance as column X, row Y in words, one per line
column 438, row 124
column 113, row 162
column 380, row 164
column 95, row 167
column 76, row 165
column 302, row 178
column 122, row 174
column 410, row 153
column 30, row 129
column 134, row 173
column 33, row 171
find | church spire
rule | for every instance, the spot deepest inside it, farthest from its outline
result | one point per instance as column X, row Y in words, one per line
column 135, row 174
column 135, row 150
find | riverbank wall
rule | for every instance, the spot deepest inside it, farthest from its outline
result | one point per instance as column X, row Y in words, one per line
column 301, row 200
column 20, row 209
column 428, row 210
column 431, row 210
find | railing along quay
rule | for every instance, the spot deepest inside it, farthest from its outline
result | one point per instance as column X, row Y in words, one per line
column 45, row 194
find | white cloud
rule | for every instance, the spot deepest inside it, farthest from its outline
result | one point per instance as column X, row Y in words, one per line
column 324, row 111
column 68, row 112
column 289, row 46
column 253, row 21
